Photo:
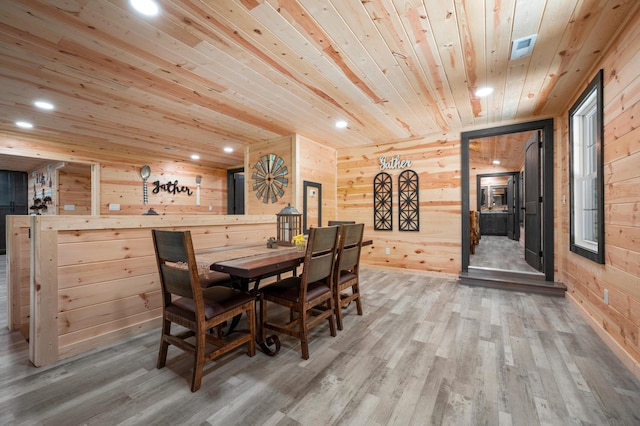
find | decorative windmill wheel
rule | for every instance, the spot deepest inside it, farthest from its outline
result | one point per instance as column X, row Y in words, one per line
column 269, row 178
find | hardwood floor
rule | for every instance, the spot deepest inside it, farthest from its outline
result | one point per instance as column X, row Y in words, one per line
column 426, row 351
column 500, row 253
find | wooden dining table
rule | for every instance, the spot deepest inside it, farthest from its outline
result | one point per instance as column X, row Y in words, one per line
column 252, row 263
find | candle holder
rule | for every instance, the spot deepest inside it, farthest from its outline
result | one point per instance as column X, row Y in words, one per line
column 289, row 225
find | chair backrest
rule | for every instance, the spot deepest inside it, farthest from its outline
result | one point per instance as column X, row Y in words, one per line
column 340, row 222
column 320, row 255
column 349, row 247
column 176, row 264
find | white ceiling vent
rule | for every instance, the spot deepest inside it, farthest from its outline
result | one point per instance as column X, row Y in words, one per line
column 523, row 47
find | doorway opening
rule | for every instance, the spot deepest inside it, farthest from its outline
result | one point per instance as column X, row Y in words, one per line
column 235, row 191
column 535, row 204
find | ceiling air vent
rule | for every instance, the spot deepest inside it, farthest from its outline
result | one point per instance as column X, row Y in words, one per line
column 523, row 47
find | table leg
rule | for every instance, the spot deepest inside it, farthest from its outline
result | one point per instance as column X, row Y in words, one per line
column 272, row 340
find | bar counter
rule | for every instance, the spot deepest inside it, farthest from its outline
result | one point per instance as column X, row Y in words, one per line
column 79, row 282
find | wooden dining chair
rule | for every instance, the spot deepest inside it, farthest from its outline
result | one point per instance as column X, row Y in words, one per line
column 188, row 304
column 301, row 294
column 346, row 275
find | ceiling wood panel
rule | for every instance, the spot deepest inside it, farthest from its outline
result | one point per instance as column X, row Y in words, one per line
column 208, row 74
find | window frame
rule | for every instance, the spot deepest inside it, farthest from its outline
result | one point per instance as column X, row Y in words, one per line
column 588, row 106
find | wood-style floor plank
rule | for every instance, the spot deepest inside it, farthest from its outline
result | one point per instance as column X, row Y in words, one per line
column 427, row 351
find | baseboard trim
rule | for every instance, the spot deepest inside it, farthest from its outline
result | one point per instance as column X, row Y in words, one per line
column 618, row 350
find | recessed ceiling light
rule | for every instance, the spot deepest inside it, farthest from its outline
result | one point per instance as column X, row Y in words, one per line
column 341, row 124
column 484, row 91
column 195, row 157
column 24, row 124
column 496, row 162
column 44, row 105
column 146, row 7
column 228, row 149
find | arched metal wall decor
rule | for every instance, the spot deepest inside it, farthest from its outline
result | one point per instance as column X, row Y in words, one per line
column 382, row 203
column 408, row 201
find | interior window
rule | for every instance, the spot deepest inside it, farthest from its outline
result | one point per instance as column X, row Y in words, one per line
column 586, row 173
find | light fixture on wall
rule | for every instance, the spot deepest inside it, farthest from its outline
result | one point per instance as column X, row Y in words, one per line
column 496, row 162
column 198, row 181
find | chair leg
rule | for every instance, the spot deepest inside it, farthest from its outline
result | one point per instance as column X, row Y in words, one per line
column 332, row 323
column 356, row 290
column 338, row 308
column 164, row 345
column 198, row 365
column 304, row 339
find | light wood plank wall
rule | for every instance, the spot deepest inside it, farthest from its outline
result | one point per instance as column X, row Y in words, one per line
column 74, row 189
column 18, row 272
column 306, row 160
column 121, row 183
column 619, row 321
column 437, row 246
column 317, row 163
column 283, row 147
column 97, row 280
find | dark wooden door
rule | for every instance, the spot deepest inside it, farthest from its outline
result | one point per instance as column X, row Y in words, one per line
column 235, row 191
column 13, row 200
column 511, row 209
column 533, row 203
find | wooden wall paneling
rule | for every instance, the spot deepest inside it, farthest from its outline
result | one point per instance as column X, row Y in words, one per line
column 284, row 148
column 74, row 189
column 18, row 265
column 43, row 330
column 317, row 163
column 437, row 246
column 616, row 322
column 95, row 281
column 122, row 184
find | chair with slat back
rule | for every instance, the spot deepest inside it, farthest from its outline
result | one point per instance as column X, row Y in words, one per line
column 301, row 294
column 347, row 270
column 188, row 303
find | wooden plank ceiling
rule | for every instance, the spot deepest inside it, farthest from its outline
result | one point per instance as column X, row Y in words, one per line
column 204, row 75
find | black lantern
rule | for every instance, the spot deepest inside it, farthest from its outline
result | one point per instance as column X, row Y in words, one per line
column 289, row 225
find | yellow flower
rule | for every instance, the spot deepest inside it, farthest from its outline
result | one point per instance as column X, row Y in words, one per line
column 298, row 239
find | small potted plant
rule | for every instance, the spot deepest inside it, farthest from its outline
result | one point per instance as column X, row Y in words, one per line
column 299, row 242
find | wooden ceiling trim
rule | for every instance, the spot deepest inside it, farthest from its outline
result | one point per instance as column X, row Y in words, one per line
column 542, row 59
column 372, row 57
column 583, row 34
column 399, row 74
column 363, row 112
column 357, row 114
column 442, row 17
column 473, row 53
column 438, row 96
column 526, row 21
column 497, row 45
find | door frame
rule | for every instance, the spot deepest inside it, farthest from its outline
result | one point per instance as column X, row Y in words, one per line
column 305, row 204
column 479, row 194
column 546, row 126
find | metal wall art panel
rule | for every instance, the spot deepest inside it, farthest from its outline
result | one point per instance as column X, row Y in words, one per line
column 382, row 202
column 408, row 201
